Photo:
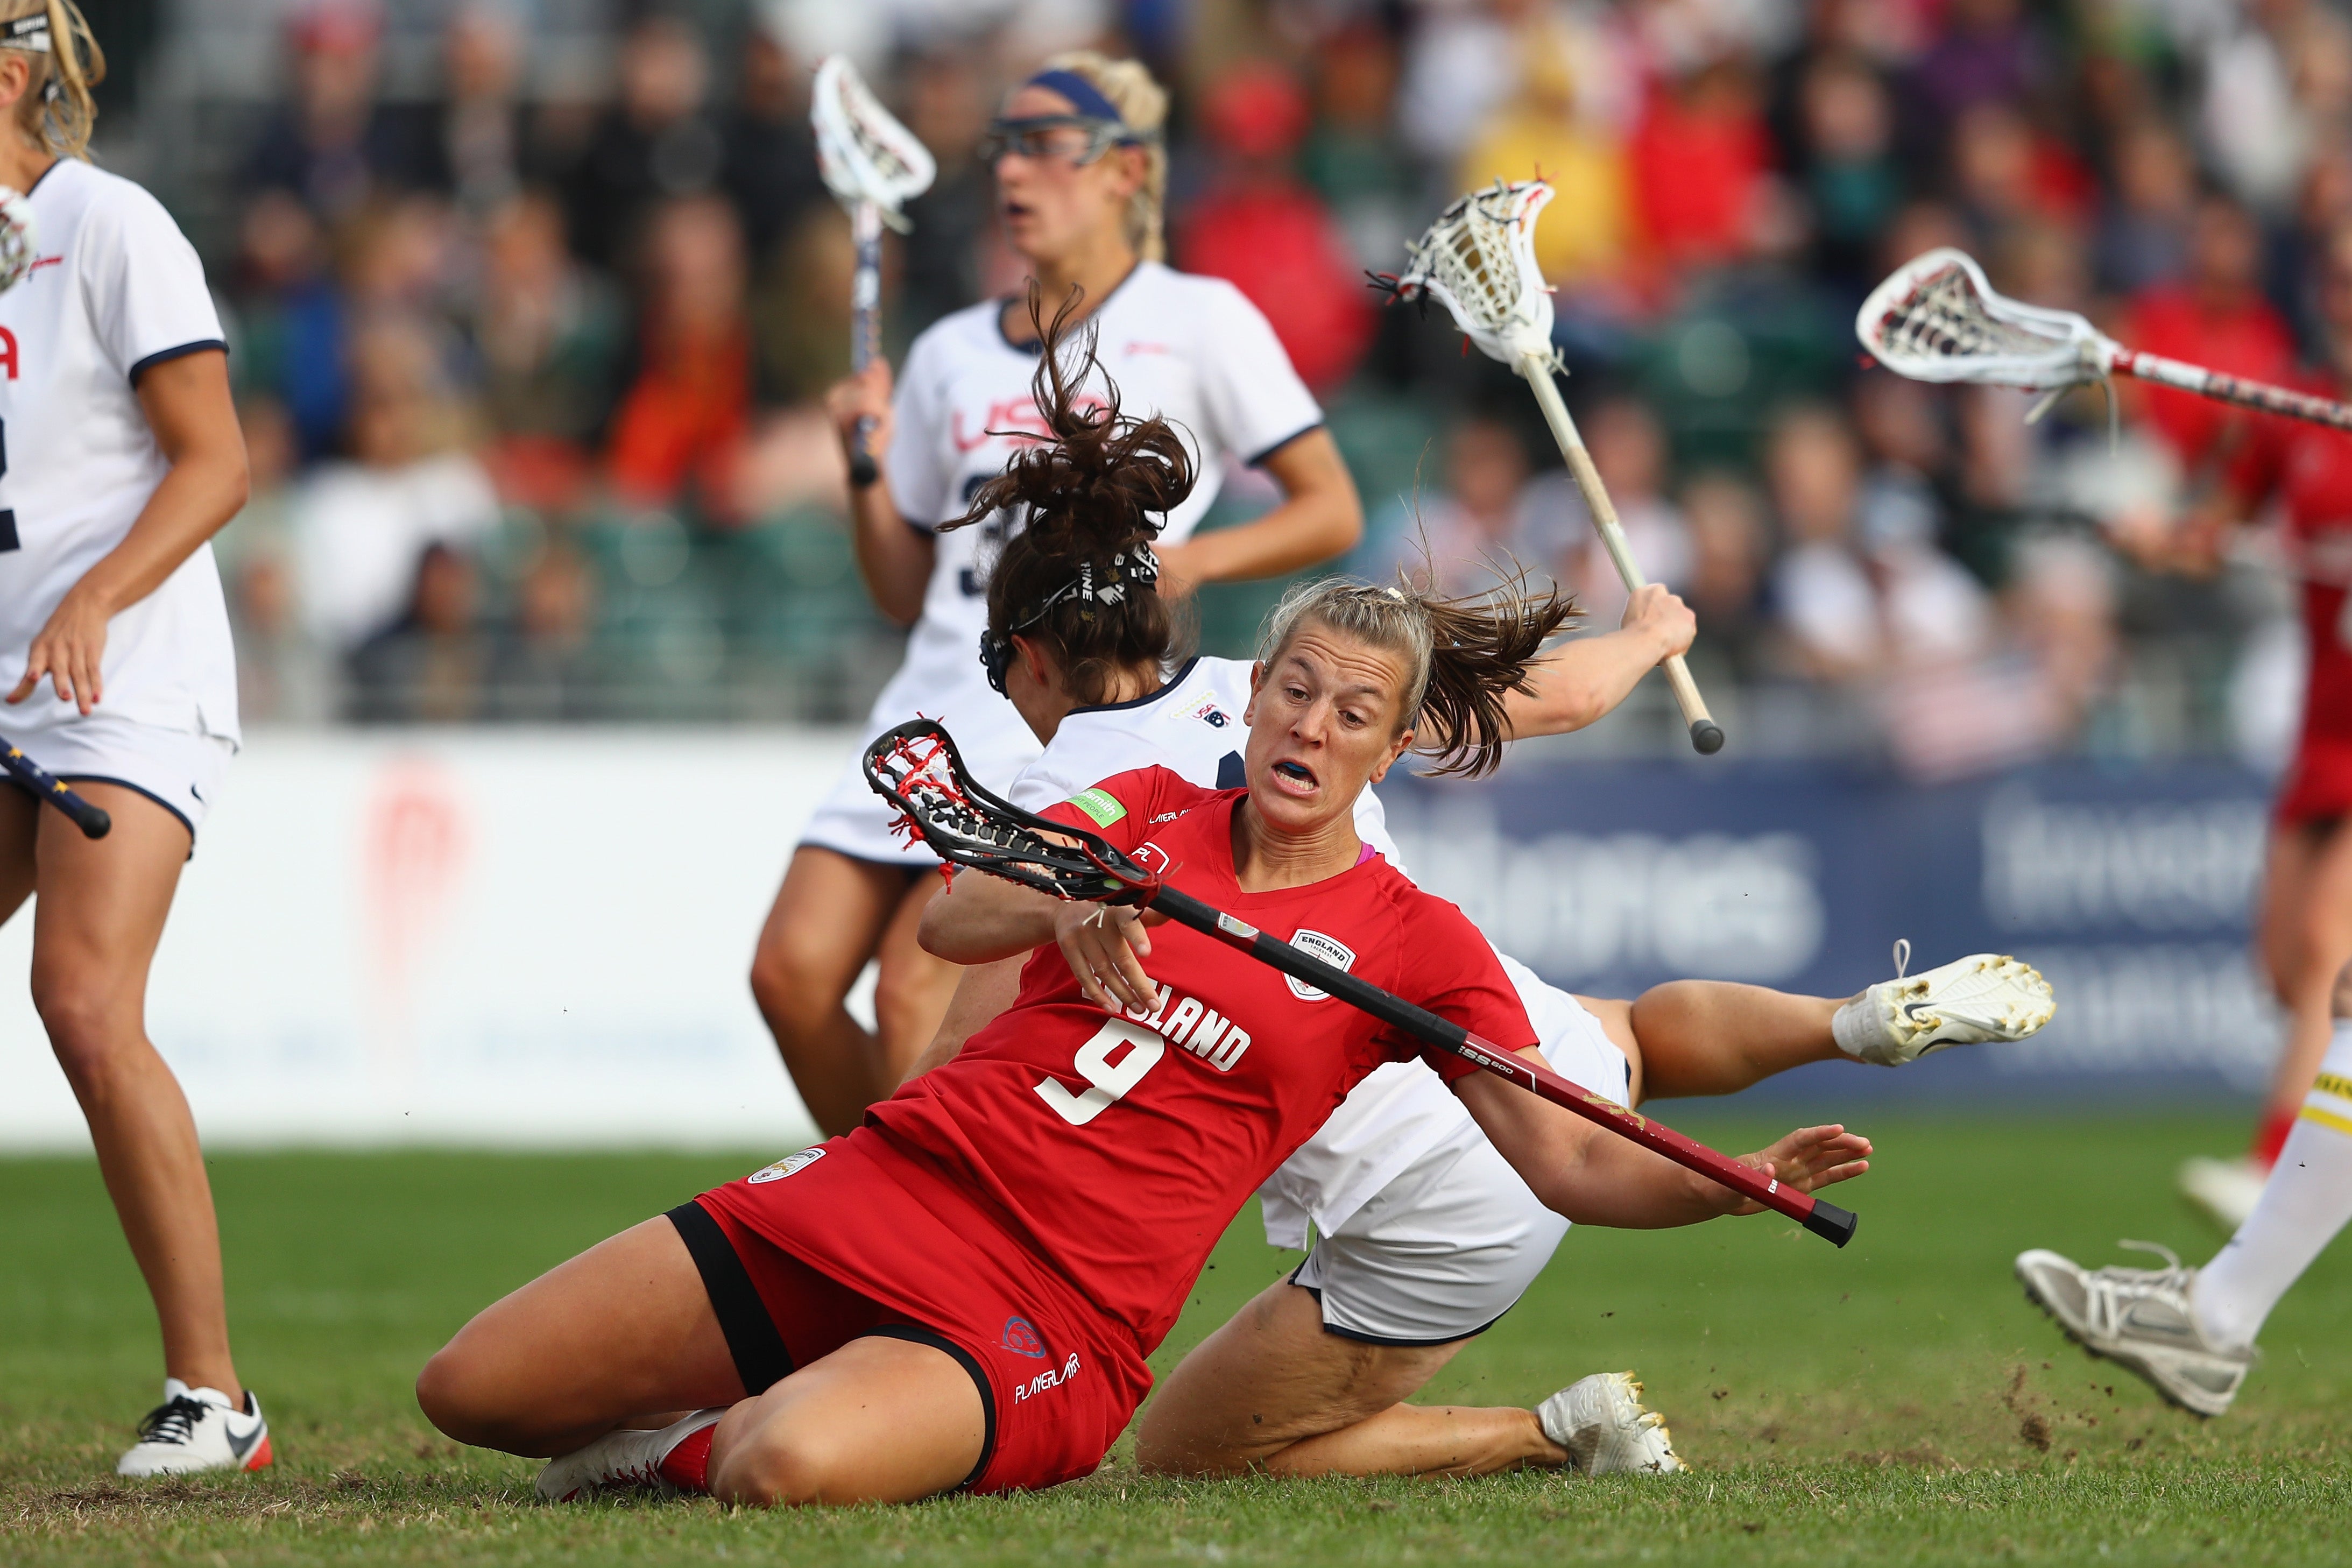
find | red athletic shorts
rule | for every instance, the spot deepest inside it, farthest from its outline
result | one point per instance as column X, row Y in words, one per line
column 828, row 1246
column 2318, row 782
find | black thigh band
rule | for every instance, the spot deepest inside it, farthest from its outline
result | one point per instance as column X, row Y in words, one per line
column 914, row 1334
column 760, row 1359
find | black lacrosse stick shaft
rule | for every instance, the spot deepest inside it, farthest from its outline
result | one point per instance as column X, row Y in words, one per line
column 92, row 820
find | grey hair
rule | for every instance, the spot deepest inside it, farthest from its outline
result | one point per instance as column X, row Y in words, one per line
column 1463, row 656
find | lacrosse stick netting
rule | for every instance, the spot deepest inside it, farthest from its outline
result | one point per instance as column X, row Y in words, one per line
column 1936, row 318
column 1478, row 260
column 874, row 166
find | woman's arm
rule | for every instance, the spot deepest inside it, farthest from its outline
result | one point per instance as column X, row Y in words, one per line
column 980, row 920
column 1593, row 1176
column 189, row 408
column 1320, row 517
column 1580, row 681
column 893, row 557
column 981, row 992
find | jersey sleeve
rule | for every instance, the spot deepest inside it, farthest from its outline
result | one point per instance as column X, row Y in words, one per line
column 1042, row 784
column 918, row 484
column 144, row 286
column 1255, row 402
column 1452, row 970
column 1125, row 807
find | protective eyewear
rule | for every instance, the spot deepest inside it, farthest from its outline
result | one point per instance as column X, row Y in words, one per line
column 1046, row 136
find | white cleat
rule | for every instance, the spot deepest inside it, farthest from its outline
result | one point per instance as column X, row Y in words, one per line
column 2142, row 1320
column 1606, row 1430
column 620, row 1461
column 197, row 1429
column 1973, row 1000
column 2224, row 1190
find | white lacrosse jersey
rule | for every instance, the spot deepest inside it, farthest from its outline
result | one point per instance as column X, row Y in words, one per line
column 115, row 289
column 1193, row 726
column 1190, row 350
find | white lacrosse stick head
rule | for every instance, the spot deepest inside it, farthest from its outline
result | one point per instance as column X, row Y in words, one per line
column 20, row 241
column 1478, row 260
column 1937, row 318
column 865, row 154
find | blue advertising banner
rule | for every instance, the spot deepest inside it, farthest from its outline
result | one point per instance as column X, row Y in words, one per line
column 2132, row 891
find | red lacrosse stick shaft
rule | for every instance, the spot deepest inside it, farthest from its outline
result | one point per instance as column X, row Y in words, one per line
column 2234, row 389
column 1824, row 1219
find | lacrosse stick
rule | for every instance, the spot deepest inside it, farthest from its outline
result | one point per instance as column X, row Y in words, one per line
column 916, row 768
column 92, row 820
column 874, row 166
column 1937, row 318
column 1478, row 260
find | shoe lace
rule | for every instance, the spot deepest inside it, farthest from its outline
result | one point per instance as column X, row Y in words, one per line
column 1902, row 956
column 2172, row 1277
column 174, row 1422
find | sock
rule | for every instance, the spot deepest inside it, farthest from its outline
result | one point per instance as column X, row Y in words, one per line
column 2270, row 1137
column 2306, row 1201
column 687, row 1465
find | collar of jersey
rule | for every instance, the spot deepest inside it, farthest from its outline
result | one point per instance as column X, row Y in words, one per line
column 1221, row 849
column 1032, row 349
column 1162, row 689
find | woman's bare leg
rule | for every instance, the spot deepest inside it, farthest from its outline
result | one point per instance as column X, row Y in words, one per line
column 1711, row 1036
column 623, row 1329
column 829, row 917
column 2308, row 939
column 879, row 1420
column 98, row 914
column 911, row 995
column 1273, row 1389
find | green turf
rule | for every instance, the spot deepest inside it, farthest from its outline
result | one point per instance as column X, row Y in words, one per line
column 1894, row 1402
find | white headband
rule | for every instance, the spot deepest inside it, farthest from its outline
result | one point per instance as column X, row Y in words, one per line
column 30, row 34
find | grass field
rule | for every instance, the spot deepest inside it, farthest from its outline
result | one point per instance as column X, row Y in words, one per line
column 1896, row 1402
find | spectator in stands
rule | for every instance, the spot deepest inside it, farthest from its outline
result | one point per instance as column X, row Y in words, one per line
column 549, row 334
column 1856, row 606
column 1729, row 547
column 1989, row 52
column 1848, row 168
column 480, row 131
column 680, row 428
column 1459, row 58
column 543, row 668
column 770, row 169
column 2143, row 235
column 952, row 225
column 2255, row 124
column 292, row 317
column 801, row 313
column 360, row 524
column 1475, row 529
column 430, row 666
column 283, row 677
column 1352, row 157
column 334, row 146
column 2215, row 316
column 1698, row 161
column 1259, row 227
column 1629, row 448
column 656, row 143
column 1583, row 236
column 2005, row 175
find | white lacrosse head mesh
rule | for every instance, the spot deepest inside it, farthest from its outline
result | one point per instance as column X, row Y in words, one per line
column 1937, row 318
column 1480, row 262
column 865, row 154
column 20, row 242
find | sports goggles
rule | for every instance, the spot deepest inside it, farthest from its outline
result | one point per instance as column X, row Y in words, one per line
column 1042, row 136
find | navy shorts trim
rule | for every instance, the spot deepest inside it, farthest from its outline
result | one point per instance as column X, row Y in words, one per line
column 760, row 1359
column 1364, row 1339
column 915, row 1334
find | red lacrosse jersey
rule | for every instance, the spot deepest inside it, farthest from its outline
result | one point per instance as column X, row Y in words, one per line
column 1115, row 1149
column 2309, row 468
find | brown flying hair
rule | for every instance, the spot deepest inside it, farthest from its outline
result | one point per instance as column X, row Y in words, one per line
column 1465, row 655
column 1079, row 576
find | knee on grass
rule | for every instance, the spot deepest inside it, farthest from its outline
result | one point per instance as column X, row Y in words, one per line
column 779, row 1466
column 460, row 1395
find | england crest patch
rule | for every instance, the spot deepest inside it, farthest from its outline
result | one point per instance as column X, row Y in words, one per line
column 787, row 1166
column 1329, row 950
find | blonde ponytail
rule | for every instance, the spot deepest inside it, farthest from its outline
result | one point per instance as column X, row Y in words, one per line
column 1142, row 104
column 57, row 113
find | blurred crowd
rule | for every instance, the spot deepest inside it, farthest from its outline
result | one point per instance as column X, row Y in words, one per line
column 530, row 362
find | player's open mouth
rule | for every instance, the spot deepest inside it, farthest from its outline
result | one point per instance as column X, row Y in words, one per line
column 1296, row 776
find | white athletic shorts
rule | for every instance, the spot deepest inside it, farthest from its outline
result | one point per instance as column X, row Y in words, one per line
column 855, row 821
column 179, row 771
column 1454, row 1241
